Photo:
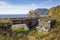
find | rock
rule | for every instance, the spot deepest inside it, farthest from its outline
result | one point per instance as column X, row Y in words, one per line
column 43, row 26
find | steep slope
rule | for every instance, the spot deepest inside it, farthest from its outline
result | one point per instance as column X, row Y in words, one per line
column 41, row 10
column 54, row 11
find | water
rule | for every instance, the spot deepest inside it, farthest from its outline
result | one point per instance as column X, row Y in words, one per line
column 14, row 16
column 19, row 16
column 43, row 15
column 18, row 25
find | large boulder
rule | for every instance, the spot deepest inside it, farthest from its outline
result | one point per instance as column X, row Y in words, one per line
column 43, row 26
column 32, row 24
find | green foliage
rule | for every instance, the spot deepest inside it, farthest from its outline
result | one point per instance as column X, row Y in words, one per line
column 37, row 35
column 33, row 13
column 55, row 32
column 19, row 29
column 30, row 14
column 33, row 33
column 6, row 20
column 43, row 34
column 36, row 14
column 17, row 37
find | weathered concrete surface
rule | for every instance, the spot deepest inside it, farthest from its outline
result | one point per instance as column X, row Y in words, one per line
column 43, row 26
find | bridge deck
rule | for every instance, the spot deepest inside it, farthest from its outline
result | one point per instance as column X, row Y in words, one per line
column 22, row 20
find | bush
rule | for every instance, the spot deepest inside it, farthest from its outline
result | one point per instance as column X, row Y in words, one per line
column 19, row 29
column 42, row 34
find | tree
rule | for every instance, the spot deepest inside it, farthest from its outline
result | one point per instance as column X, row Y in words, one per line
column 36, row 14
column 30, row 14
column 33, row 13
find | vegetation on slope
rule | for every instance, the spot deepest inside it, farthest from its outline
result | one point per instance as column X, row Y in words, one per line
column 54, row 11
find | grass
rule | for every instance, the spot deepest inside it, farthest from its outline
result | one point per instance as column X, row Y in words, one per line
column 53, row 34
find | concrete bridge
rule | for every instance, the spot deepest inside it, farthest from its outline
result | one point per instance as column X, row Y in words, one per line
column 30, row 22
column 23, row 20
